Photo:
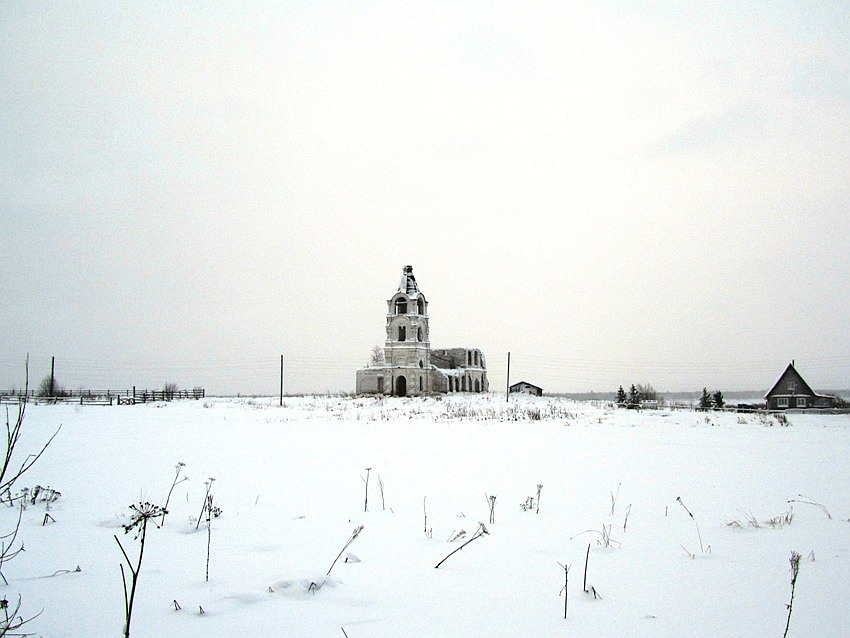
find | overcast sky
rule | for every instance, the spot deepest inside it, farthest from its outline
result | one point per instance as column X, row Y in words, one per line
column 614, row 192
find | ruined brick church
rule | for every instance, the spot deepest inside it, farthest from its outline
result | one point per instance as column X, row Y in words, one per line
column 411, row 366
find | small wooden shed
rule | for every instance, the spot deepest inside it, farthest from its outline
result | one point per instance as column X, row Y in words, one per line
column 524, row 387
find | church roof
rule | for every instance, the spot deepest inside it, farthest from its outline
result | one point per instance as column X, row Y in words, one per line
column 408, row 283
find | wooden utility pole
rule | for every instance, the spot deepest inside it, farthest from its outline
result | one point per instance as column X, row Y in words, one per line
column 508, row 386
column 52, row 363
column 281, row 380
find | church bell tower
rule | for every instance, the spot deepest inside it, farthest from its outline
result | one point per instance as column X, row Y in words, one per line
column 408, row 343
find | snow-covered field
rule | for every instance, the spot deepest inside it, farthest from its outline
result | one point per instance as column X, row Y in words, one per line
column 288, row 481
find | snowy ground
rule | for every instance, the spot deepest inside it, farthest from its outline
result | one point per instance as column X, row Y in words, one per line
column 288, row 481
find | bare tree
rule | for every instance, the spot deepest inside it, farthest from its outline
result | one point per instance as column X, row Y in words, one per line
column 376, row 358
column 50, row 387
column 647, row 392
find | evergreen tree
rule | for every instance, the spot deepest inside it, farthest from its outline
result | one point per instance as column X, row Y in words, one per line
column 621, row 396
column 705, row 400
column 634, row 397
column 717, row 400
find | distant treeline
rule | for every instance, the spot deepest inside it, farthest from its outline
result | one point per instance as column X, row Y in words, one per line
column 733, row 396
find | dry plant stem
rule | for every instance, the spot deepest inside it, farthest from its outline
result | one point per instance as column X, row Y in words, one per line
column 7, row 551
column 425, row 512
column 566, row 582
column 539, row 489
column 626, row 520
column 8, row 475
column 209, row 533
column 586, row 560
column 605, row 539
column 478, row 534
column 354, row 535
column 699, row 536
column 795, row 570
column 14, row 621
column 209, row 539
column 174, row 483
column 808, row 501
column 143, row 513
column 366, row 499
column 614, row 498
column 381, row 487
column 206, row 499
column 128, row 601
column 491, row 502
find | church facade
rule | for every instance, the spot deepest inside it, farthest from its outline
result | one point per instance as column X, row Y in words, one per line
column 411, row 366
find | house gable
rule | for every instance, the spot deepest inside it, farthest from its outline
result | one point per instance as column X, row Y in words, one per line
column 791, row 383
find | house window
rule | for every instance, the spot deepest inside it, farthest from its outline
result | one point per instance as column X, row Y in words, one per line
column 402, row 333
column 801, row 402
column 792, row 386
column 782, row 402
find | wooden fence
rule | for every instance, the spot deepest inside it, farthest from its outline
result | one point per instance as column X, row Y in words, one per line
column 104, row 397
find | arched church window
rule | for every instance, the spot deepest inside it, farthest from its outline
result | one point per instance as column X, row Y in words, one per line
column 402, row 333
column 420, row 306
column 419, row 334
column 401, row 306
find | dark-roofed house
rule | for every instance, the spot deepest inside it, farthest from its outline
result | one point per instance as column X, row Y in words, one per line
column 524, row 387
column 792, row 391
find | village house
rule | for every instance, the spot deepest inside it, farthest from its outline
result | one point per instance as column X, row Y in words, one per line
column 792, row 391
column 524, row 387
column 411, row 366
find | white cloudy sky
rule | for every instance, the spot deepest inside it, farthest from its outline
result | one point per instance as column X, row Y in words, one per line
column 615, row 192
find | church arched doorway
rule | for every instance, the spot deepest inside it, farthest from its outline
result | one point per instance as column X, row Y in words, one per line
column 401, row 386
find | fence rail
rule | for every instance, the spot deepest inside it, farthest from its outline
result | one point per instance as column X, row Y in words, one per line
column 103, row 397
